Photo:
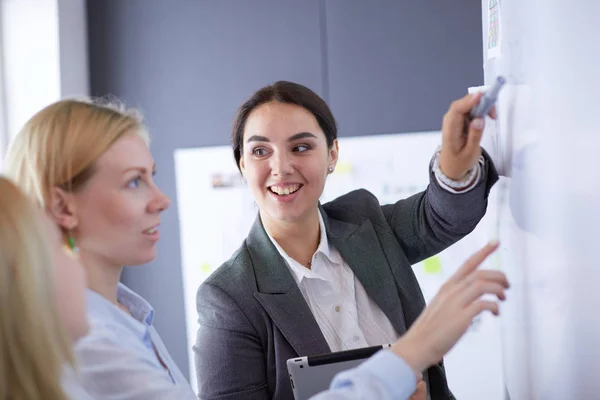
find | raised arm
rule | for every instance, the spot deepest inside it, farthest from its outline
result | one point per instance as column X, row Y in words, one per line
column 428, row 222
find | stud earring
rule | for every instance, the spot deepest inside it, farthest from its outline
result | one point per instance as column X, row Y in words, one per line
column 330, row 170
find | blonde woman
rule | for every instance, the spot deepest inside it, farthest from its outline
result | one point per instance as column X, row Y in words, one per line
column 89, row 166
column 42, row 298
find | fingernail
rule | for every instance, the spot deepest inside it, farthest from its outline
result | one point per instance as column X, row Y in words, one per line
column 493, row 242
column 478, row 123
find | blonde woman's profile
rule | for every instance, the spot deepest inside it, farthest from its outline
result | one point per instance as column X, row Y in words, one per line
column 88, row 164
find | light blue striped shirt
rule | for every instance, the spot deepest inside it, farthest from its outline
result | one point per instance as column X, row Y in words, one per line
column 117, row 360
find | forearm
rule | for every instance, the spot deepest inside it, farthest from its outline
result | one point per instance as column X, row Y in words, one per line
column 384, row 376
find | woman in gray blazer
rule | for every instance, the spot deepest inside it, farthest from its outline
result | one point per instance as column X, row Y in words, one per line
column 314, row 278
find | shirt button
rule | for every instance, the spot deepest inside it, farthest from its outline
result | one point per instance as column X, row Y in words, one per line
column 356, row 338
column 337, row 308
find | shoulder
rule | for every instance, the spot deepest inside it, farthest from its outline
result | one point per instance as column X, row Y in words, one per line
column 112, row 360
column 239, row 266
column 355, row 199
column 355, row 207
column 225, row 300
column 233, row 282
column 108, row 344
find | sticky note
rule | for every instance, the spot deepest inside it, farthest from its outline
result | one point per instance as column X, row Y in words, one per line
column 343, row 167
column 432, row 265
column 205, row 268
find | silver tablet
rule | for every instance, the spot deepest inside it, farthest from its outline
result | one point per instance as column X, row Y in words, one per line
column 313, row 374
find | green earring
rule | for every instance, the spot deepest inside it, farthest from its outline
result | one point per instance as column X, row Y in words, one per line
column 72, row 245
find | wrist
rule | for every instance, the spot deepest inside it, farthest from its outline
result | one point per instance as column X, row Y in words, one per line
column 413, row 352
column 455, row 176
column 450, row 173
column 447, row 177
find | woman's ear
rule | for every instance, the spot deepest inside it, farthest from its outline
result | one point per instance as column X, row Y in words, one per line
column 242, row 167
column 334, row 153
column 61, row 208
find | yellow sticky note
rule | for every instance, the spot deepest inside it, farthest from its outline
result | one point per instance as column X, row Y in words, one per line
column 432, row 265
column 343, row 167
column 205, row 268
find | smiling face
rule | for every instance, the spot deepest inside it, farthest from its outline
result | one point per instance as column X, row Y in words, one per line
column 118, row 211
column 285, row 161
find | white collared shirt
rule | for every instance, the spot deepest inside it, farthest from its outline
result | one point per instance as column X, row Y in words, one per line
column 347, row 317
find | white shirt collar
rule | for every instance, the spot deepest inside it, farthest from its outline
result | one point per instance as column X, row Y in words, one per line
column 299, row 271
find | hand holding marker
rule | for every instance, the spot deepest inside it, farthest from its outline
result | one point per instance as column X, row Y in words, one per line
column 486, row 102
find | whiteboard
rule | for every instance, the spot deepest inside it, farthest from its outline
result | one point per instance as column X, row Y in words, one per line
column 548, row 219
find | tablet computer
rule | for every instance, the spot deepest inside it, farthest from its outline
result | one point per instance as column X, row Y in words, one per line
column 313, row 374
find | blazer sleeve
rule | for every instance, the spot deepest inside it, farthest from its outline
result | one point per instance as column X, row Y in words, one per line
column 230, row 361
column 430, row 221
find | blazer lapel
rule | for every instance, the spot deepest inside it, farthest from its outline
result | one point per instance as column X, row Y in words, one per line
column 361, row 249
column 281, row 297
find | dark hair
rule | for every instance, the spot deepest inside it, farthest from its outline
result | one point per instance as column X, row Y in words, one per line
column 287, row 93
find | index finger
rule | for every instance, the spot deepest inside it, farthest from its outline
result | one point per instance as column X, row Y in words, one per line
column 474, row 261
column 465, row 104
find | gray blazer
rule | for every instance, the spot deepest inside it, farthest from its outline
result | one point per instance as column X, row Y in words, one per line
column 253, row 316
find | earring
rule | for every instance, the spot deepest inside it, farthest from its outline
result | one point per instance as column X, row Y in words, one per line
column 72, row 245
column 330, row 170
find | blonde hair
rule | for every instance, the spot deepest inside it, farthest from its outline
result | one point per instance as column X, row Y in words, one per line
column 58, row 146
column 34, row 345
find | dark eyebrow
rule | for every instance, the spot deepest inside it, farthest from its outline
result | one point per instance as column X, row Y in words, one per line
column 301, row 135
column 256, row 138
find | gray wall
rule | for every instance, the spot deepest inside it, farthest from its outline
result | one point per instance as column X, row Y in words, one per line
column 383, row 66
column 72, row 31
